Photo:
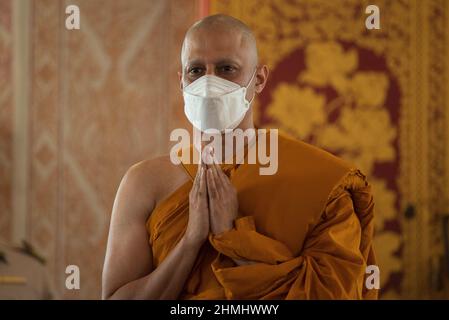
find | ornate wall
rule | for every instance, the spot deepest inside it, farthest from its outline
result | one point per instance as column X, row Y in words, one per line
column 6, row 118
column 99, row 100
column 79, row 107
column 375, row 97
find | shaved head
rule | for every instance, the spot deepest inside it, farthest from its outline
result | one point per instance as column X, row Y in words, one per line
column 221, row 25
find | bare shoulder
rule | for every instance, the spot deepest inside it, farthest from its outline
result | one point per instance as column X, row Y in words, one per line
column 151, row 180
column 128, row 254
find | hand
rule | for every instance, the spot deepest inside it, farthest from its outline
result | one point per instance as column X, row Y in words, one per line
column 223, row 202
column 198, row 226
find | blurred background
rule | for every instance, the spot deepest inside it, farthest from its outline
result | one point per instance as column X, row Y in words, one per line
column 78, row 107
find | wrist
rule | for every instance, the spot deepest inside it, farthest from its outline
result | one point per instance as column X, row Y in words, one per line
column 191, row 245
column 242, row 262
column 222, row 229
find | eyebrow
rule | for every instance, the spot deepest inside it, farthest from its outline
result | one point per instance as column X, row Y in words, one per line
column 227, row 61
column 218, row 62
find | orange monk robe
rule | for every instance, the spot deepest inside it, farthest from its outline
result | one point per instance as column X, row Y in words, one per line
column 308, row 228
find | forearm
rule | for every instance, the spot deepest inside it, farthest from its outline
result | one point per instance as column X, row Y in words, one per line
column 167, row 280
column 241, row 262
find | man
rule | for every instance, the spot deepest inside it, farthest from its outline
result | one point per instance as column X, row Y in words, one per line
column 213, row 231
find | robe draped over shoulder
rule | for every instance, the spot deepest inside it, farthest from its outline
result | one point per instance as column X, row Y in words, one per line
column 308, row 229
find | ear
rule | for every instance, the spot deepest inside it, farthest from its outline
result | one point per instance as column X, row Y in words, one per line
column 261, row 78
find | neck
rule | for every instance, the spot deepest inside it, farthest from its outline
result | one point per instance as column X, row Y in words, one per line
column 232, row 142
column 226, row 141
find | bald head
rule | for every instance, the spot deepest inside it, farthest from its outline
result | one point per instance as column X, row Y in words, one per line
column 214, row 29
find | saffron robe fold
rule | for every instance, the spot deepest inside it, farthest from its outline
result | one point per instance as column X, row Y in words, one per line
column 308, row 229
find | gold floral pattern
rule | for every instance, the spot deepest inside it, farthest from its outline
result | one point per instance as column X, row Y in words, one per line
column 385, row 203
column 301, row 120
column 363, row 136
column 328, row 64
column 362, row 132
column 369, row 88
column 329, row 92
column 389, row 242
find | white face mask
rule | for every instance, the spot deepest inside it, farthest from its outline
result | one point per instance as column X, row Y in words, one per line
column 211, row 102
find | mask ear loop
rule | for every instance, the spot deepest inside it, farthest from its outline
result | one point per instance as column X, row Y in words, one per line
column 246, row 88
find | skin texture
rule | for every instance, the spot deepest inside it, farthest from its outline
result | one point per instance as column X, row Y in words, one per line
column 217, row 45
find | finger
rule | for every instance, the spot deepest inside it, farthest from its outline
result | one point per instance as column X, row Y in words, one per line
column 198, row 170
column 217, row 181
column 196, row 181
column 221, row 177
column 215, row 165
column 194, row 190
column 211, row 186
column 210, row 156
column 204, row 169
column 214, row 170
column 202, row 191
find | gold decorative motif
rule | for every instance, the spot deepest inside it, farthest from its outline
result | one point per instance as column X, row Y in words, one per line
column 353, row 120
column 303, row 120
column 384, row 202
column 328, row 64
column 363, row 136
column 389, row 242
column 413, row 46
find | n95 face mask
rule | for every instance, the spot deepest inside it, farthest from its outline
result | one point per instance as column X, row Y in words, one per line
column 211, row 102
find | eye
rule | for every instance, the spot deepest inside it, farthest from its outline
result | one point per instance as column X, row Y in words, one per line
column 195, row 71
column 227, row 69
